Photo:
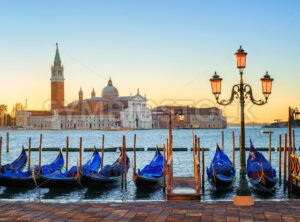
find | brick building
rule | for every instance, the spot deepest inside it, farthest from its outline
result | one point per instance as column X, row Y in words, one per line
column 188, row 117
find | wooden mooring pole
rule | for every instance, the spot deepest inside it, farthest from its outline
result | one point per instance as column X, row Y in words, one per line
column 124, row 160
column 195, row 145
column 222, row 140
column 203, row 169
column 279, row 156
column 102, row 151
column 290, row 131
column 270, row 147
column 198, row 157
column 193, row 139
column 67, row 153
column 7, row 142
column 289, row 162
column 285, row 160
column 40, row 151
column 164, row 168
column 294, row 142
column 233, row 148
column 29, row 152
column 134, row 153
column 80, row 154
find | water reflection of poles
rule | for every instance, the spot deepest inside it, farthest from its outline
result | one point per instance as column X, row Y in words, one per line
column 242, row 91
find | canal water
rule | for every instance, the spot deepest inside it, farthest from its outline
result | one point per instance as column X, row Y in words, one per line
column 183, row 162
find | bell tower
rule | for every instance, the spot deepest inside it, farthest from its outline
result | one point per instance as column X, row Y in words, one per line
column 57, row 83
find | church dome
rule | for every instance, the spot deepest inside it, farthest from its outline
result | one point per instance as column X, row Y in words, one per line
column 110, row 91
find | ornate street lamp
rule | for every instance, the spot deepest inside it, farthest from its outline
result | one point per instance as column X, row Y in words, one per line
column 216, row 85
column 242, row 91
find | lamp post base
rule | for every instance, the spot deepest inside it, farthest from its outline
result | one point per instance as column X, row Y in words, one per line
column 243, row 200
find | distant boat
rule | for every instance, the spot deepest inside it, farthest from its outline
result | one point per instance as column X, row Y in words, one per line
column 276, row 124
column 260, row 172
column 221, row 172
column 282, row 124
column 152, row 174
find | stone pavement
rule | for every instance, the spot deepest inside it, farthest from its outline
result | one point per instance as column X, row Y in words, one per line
column 149, row 211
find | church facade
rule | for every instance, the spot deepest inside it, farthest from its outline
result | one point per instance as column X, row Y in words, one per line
column 108, row 111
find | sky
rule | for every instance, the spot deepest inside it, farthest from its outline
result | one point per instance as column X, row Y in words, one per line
column 169, row 49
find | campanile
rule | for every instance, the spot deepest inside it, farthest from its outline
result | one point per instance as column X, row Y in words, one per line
column 57, row 83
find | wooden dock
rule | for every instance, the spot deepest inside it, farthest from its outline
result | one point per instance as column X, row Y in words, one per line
column 182, row 188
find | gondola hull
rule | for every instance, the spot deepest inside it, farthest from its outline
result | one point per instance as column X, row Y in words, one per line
column 151, row 176
column 263, row 184
column 30, row 178
column 18, row 182
column 53, row 183
column 221, row 173
column 70, row 178
column 96, row 181
column 109, row 175
column 261, row 174
column 142, row 182
column 219, row 182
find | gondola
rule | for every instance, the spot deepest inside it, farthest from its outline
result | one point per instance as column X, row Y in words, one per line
column 17, row 165
column 72, row 177
column 152, row 174
column 109, row 175
column 30, row 177
column 261, row 174
column 221, row 172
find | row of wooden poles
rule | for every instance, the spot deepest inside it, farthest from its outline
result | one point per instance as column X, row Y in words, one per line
column 288, row 150
column 124, row 155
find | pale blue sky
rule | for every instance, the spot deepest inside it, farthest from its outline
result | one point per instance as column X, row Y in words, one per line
column 168, row 49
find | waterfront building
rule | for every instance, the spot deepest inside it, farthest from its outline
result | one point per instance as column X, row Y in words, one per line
column 108, row 111
column 189, row 117
column 136, row 114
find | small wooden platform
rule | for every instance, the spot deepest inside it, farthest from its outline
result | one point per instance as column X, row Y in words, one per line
column 184, row 188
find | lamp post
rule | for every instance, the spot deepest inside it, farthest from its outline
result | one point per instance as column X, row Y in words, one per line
column 242, row 91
